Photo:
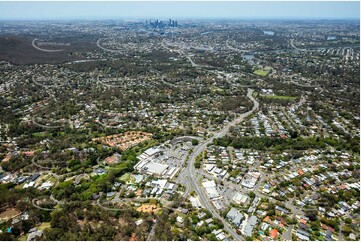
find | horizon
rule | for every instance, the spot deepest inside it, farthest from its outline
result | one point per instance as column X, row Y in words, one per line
column 65, row 11
column 195, row 18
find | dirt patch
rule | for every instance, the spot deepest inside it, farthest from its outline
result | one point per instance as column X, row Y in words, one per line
column 9, row 214
column 81, row 223
column 147, row 208
column 133, row 238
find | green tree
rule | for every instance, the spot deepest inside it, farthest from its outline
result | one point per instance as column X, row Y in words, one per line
column 195, row 142
column 346, row 230
column 197, row 164
column 312, row 214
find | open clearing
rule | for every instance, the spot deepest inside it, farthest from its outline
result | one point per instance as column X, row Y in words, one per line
column 8, row 214
column 289, row 98
column 44, row 226
column 125, row 177
column 23, row 237
column 147, row 208
column 263, row 72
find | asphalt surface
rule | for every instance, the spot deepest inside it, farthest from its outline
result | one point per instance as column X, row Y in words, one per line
column 295, row 47
column 109, row 50
column 190, row 169
column 288, row 235
column 46, row 126
column 44, row 50
column 152, row 232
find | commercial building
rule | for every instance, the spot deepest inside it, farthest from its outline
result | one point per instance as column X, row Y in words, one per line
column 151, row 163
column 210, row 187
column 240, row 198
column 235, row 217
column 252, row 221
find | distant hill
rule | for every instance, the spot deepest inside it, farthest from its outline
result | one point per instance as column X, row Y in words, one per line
column 19, row 50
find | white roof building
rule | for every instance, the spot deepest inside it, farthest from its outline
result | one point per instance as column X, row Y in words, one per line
column 46, row 185
column 151, row 152
column 209, row 184
column 30, row 184
column 240, row 198
column 161, row 183
column 139, row 222
column 221, row 236
column 195, row 202
column 210, row 187
column 153, row 168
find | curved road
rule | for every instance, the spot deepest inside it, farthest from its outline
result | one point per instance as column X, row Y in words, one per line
column 46, row 126
column 109, row 50
column 41, row 208
column 39, row 166
column 190, row 169
column 125, row 200
column 295, row 47
column 301, row 85
column 44, row 50
column 47, row 86
column 107, row 84
column 109, row 126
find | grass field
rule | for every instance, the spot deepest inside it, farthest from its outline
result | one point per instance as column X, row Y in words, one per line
column 23, row 237
column 44, row 226
column 125, row 177
column 289, row 98
column 52, row 180
column 39, row 135
column 216, row 89
column 263, row 72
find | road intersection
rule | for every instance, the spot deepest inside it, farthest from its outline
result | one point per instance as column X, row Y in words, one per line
column 189, row 175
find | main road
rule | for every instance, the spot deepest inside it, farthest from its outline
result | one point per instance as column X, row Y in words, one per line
column 190, row 169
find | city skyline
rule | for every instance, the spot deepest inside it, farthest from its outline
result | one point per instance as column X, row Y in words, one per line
column 138, row 9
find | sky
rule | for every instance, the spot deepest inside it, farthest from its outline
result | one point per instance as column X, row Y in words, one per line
column 164, row 9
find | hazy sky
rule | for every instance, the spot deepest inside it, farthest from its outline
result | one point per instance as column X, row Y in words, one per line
column 108, row 10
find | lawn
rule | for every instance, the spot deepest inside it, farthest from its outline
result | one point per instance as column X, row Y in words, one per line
column 44, row 226
column 19, row 186
column 289, row 98
column 261, row 72
column 39, row 135
column 52, row 180
column 125, row 177
column 216, row 89
column 23, row 237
